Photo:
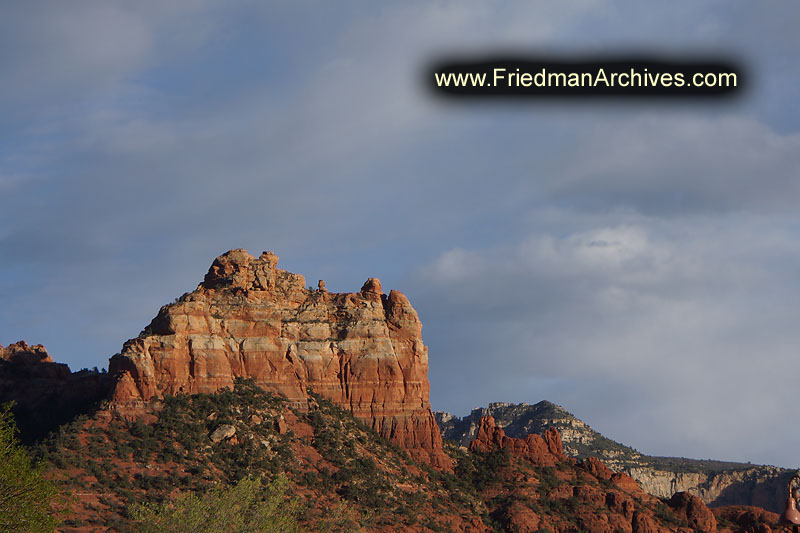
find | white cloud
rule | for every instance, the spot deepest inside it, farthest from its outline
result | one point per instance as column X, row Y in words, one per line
column 677, row 328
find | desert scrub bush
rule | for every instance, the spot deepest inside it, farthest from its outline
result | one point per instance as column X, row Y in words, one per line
column 480, row 470
column 547, row 480
column 361, row 481
column 340, row 518
column 663, row 512
column 249, row 505
column 25, row 495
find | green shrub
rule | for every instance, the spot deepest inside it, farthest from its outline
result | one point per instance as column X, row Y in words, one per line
column 246, row 506
column 25, row 496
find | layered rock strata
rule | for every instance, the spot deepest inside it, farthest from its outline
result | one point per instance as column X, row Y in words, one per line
column 761, row 486
column 250, row 319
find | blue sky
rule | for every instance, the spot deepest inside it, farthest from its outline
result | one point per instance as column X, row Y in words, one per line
column 636, row 263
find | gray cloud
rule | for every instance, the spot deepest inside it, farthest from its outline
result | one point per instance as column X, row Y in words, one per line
column 667, row 322
column 618, row 259
column 684, row 163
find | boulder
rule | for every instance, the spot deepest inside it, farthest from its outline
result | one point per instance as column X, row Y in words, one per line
column 692, row 509
column 223, row 432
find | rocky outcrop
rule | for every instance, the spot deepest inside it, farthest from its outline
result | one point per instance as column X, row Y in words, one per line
column 250, row 319
column 586, row 493
column 691, row 509
column 643, row 523
column 521, row 419
column 597, row 468
column 32, row 360
column 541, row 451
column 46, row 394
column 747, row 518
column 717, row 483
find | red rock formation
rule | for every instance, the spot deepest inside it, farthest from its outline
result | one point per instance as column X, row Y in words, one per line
column 22, row 354
column 553, row 440
column 45, row 393
column 250, row 319
column 521, row 518
column 625, row 482
column 597, row 468
column 576, row 496
column 643, row 523
column 540, row 451
column 32, row 361
column 747, row 518
column 692, row 509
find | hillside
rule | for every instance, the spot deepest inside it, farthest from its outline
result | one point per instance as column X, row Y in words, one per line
column 341, row 474
column 718, row 483
column 109, row 462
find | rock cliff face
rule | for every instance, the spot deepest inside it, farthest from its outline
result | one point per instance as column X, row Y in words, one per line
column 250, row 319
column 760, row 486
column 45, row 393
column 717, row 483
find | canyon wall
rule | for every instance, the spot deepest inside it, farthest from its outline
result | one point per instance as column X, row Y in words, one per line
column 761, row 486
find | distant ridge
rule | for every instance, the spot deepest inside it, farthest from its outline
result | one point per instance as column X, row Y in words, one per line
column 717, row 483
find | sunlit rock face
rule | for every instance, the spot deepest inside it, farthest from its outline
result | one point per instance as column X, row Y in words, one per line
column 250, row 319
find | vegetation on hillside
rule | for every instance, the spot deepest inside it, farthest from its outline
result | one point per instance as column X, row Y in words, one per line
column 246, row 506
column 242, row 460
column 25, row 495
column 169, row 467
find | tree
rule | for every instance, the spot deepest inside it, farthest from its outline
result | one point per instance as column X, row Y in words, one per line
column 247, row 506
column 25, row 496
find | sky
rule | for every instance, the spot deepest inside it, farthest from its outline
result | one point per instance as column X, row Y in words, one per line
column 635, row 262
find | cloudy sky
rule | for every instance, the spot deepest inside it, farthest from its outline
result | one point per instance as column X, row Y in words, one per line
column 637, row 263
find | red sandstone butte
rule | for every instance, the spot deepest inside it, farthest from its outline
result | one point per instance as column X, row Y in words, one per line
column 250, row 319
